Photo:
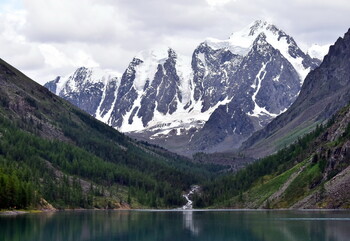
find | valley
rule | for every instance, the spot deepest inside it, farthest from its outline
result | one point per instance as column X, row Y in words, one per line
column 258, row 138
column 210, row 120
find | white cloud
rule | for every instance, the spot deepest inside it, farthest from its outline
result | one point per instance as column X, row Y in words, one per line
column 14, row 47
column 70, row 21
column 216, row 3
column 56, row 58
column 45, row 38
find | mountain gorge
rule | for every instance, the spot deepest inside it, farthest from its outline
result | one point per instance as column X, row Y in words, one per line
column 210, row 102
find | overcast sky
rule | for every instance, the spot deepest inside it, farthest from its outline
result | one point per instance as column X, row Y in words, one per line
column 46, row 38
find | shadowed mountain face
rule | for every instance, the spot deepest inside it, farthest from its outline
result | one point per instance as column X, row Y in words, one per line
column 325, row 90
column 210, row 102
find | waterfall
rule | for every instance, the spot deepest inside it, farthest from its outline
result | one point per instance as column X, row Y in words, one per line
column 187, row 196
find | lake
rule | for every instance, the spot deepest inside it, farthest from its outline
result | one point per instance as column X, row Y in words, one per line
column 236, row 225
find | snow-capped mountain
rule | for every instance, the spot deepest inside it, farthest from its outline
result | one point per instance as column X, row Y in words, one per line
column 212, row 101
column 91, row 89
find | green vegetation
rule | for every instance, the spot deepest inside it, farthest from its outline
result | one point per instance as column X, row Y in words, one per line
column 15, row 192
column 263, row 189
column 302, row 185
column 293, row 135
column 28, row 164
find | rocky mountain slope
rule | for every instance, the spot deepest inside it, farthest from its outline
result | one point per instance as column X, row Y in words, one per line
column 324, row 92
column 210, row 102
column 313, row 172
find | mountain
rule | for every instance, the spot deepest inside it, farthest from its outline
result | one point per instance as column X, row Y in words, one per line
column 324, row 92
column 314, row 171
column 52, row 153
column 210, row 102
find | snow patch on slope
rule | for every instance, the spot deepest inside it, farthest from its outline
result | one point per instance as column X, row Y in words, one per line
column 258, row 111
column 183, row 119
column 184, row 71
column 137, row 122
column 225, row 44
column 98, row 113
column 146, row 70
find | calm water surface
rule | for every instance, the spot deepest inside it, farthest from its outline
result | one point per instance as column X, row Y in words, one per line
column 177, row 225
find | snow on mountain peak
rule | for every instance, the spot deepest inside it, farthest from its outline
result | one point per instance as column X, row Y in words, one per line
column 275, row 37
column 146, row 70
column 84, row 75
column 241, row 42
column 259, row 26
column 247, row 35
column 156, row 55
column 151, row 59
column 163, row 94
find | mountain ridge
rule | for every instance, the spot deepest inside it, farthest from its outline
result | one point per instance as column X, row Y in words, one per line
column 167, row 99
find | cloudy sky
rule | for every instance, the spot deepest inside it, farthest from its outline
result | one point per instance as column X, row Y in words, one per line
column 46, row 38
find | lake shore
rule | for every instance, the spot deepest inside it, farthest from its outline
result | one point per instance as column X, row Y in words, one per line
column 21, row 212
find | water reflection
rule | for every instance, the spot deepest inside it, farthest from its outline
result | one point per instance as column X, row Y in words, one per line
column 189, row 222
column 177, row 225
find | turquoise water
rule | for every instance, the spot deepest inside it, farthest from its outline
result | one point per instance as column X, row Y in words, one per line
column 177, row 225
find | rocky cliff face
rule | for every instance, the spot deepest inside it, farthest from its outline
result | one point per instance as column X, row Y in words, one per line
column 325, row 91
column 210, row 102
column 333, row 148
column 263, row 86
